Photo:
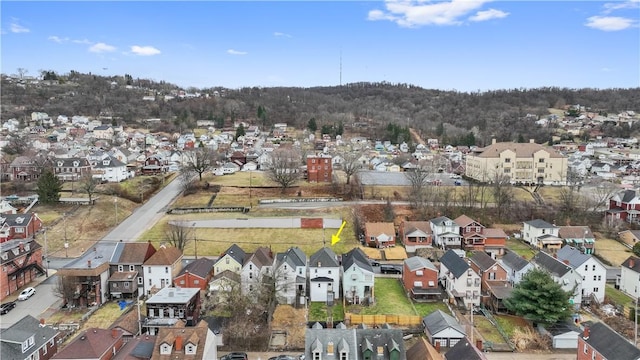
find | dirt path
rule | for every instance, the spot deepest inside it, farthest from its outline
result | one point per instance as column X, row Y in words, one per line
column 416, row 137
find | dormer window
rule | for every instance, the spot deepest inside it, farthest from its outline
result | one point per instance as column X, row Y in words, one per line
column 76, row 163
column 380, row 350
column 120, row 268
column 60, row 163
column 27, row 344
column 105, row 162
column 190, row 349
column 165, row 349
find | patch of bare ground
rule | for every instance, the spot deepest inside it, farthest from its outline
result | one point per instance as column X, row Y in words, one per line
column 292, row 321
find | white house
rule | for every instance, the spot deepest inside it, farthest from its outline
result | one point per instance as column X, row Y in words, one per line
column 110, row 169
column 290, row 272
column 630, row 277
column 541, row 234
column 357, row 277
column 594, row 274
column 459, row 280
column 562, row 274
column 324, row 275
column 160, row 269
column 446, row 233
column 255, row 267
column 515, row 265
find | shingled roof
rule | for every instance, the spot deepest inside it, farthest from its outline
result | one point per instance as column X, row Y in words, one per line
column 164, row 256
column 610, row 344
column 522, row 150
column 11, row 338
column 454, row 263
column 324, row 257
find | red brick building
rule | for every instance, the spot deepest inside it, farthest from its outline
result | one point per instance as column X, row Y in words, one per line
column 195, row 274
column 420, row 278
column 600, row 342
column 319, row 168
column 21, row 264
column 19, row 226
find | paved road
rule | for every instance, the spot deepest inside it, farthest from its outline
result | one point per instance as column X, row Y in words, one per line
column 36, row 305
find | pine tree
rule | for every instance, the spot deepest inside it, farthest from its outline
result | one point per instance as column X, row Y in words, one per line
column 49, row 187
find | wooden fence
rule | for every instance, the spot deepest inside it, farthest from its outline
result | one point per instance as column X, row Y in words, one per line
column 377, row 320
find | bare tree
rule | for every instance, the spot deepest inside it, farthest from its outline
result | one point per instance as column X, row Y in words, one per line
column 186, row 178
column 66, row 288
column 88, row 184
column 351, row 164
column 199, row 160
column 284, row 167
column 179, row 234
column 502, row 192
column 420, row 180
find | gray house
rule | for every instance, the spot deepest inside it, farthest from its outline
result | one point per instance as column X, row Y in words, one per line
column 442, row 329
column 357, row 277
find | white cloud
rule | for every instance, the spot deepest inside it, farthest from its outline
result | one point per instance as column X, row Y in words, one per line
column 144, row 50
column 101, row 48
column 416, row 13
column 83, row 41
column 17, row 28
column 280, row 34
column 57, row 39
column 236, row 52
column 606, row 69
column 488, row 15
column 609, row 23
column 631, row 4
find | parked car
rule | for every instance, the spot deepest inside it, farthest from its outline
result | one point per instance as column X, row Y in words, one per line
column 389, row 269
column 26, row 293
column 283, row 357
column 235, row 356
column 374, row 262
column 6, row 307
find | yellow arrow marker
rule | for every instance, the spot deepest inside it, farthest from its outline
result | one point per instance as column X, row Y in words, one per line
column 336, row 237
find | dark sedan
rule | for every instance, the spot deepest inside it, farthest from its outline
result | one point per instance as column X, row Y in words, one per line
column 6, row 307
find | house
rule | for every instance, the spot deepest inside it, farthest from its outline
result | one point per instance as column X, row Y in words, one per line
column 629, row 275
column 579, row 237
column 223, row 283
column 515, row 265
column 128, row 322
column 357, row 277
column 172, row 303
column 355, row 343
column 564, row 335
column 446, row 233
column 324, row 276
column 232, row 259
column 416, row 235
column 494, row 285
column 495, row 241
column 125, row 268
column 442, row 329
column 196, row 274
column 420, row 278
column 160, row 269
column 562, row 273
column 600, row 342
column 28, row 338
column 238, row 157
column 290, row 273
column 476, row 236
column 103, row 132
column 71, row 169
column 155, row 164
column 19, row 226
column 26, row 168
column 319, row 168
column 21, row 261
column 380, row 235
column 255, row 268
column 542, row 235
column 92, row 344
column 523, row 163
column 181, row 343
column 110, row 169
column 629, row 237
column 623, row 206
column 85, row 280
column 459, row 280
column 6, row 208
column 464, row 349
column 423, row 350
column 594, row 274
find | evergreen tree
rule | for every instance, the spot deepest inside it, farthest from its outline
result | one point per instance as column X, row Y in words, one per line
column 49, row 187
column 312, row 126
column 240, row 131
column 539, row 299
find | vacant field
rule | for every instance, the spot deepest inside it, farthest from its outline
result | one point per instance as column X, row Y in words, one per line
column 488, row 331
column 611, row 250
column 509, row 323
column 521, row 248
column 318, row 311
column 392, row 300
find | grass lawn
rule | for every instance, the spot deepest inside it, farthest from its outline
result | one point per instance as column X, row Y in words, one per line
column 427, row 308
column 318, row 311
column 199, row 199
column 509, row 323
column 390, row 300
column 520, row 248
column 611, row 250
column 487, row 330
column 64, row 316
column 617, row 296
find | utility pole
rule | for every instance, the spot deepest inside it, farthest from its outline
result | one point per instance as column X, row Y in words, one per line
column 66, row 242
column 635, row 328
column 46, row 253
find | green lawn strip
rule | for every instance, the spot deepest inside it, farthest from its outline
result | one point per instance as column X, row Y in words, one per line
column 427, row 308
column 488, row 331
column 390, row 300
column 200, row 199
column 520, row 248
column 508, row 323
column 318, row 311
column 617, row 296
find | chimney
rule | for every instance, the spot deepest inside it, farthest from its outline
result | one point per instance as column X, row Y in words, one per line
column 631, row 263
column 566, row 262
column 42, row 322
column 532, row 141
column 438, row 346
column 114, row 333
column 493, row 141
column 179, row 343
column 585, row 333
column 479, row 344
column 88, row 263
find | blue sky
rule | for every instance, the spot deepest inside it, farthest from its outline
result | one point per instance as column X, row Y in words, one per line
column 456, row 44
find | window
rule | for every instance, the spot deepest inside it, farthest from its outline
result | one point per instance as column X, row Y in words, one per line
column 507, row 160
column 227, row 261
column 165, row 349
column 150, row 282
column 52, row 342
column 196, row 282
column 250, row 266
column 419, row 273
column 594, row 268
column 132, row 268
column 115, row 285
column 120, row 268
column 166, row 269
column 319, row 285
column 149, row 270
column 190, row 349
column 595, row 278
column 181, row 282
column 140, row 280
column 595, row 289
column 250, row 275
column 126, row 285
column 317, row 355
column 541, row 161
column 586, row 268
column 20, row 230
column 599, row 277
column 44, row 350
